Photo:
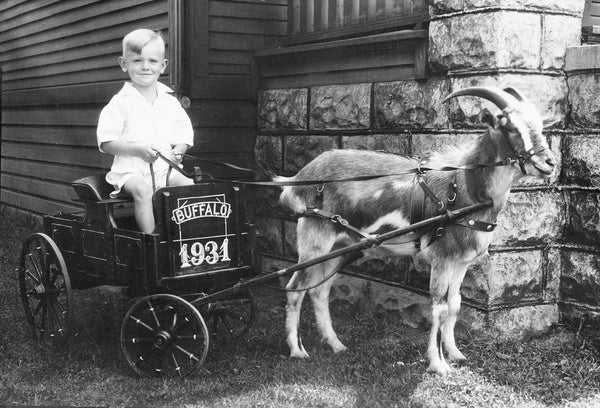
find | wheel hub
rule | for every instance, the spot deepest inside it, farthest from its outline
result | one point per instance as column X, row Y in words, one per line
column 161, row 339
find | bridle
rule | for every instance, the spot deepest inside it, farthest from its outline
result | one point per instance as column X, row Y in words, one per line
column 521, row 156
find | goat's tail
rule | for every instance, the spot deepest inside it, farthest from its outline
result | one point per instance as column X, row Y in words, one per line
column 288, row 196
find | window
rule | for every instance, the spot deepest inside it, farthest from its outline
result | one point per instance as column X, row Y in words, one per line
column 324, row 20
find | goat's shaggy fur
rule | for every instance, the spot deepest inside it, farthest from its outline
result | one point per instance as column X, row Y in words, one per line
column 384, row 204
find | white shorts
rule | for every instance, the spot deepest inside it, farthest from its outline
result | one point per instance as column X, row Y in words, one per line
column 118, row 180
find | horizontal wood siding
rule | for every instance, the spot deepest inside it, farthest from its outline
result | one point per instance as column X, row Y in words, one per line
column 226, row 35
column 591, row 13
column 376, row 58
column 59, row 68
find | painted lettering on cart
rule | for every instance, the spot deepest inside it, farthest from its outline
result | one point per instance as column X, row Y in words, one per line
column 201, row 209
column 210, row 252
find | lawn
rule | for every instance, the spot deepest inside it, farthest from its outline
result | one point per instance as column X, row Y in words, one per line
column 384, row 367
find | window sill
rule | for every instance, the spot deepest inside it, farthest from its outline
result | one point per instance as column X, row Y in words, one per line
column 399, row 55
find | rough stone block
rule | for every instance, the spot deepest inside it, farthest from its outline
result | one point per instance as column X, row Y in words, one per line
column 270, row 264
column 267, row 201
column 559, row 32
column 547, row 93
column 340, row 107
column 414, row 308
column 411, row 104
column 581, row 158
column 351, row 289
column 531, row 218
column 584, row 226
column 301, row 150
column 505, row 278
column 397, row 144
column 268, row 151
column 394, row 269
column 440, row 7
column 503, row 39
column 290, row 239
column 424, row 145
column 553, row 268
column 282, row 109
column 270, row 234
column 583, row 96
column 580, row 281
column 522, row 321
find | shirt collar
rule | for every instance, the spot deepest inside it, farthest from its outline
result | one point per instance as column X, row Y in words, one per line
column 129, row 90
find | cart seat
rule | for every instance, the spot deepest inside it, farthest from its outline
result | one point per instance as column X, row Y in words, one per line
column 94, row 192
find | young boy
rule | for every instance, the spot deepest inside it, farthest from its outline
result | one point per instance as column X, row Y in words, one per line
column 141, row 119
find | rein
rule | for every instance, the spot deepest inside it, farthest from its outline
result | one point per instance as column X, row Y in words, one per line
column 420, row 169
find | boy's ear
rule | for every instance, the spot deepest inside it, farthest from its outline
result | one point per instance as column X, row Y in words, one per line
column 122, row 64
column 165, row 64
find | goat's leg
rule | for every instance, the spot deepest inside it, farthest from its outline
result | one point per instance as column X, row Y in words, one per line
column 454, row 300
column 315, row 238
column 438, row 287
column 292, row 316
column 320, row 300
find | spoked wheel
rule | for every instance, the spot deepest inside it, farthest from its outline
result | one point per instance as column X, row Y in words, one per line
column 232, row 318
column 45, row 289
column 164, row 335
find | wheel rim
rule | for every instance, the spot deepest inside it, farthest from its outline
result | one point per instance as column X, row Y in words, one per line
column 231, row 319
column 45, row 289
column 164, row 335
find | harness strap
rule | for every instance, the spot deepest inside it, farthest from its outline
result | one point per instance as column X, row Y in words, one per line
column 334, row 218
column 477, row 225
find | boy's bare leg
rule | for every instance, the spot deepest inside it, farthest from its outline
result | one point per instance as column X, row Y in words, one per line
column 178, row 179
column 141, row 192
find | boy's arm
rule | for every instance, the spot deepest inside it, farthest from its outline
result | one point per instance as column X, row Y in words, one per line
column 119, row 148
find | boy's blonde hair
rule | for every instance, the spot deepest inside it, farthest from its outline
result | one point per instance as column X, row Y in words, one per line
column 138, row 39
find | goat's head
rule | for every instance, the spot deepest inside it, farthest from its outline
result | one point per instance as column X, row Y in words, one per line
column 520, row 124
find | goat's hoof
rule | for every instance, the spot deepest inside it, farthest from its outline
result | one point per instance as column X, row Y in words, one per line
column 339, row 348
column 439, row 369
column 456, row 356
column 299, row 354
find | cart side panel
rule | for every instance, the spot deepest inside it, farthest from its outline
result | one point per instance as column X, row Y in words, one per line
column 203, row 229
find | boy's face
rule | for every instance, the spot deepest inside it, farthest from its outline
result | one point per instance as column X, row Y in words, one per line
column 144, row 68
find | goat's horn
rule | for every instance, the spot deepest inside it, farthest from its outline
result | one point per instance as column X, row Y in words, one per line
column 514, row 93
column 499, row 97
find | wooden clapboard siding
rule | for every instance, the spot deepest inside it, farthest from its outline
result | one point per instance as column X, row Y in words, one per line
column 59, row 63
column 232, row 31
column 223, row 82
column 59, row 68
column 591, row 22
column 591, row 14
column 375, row 58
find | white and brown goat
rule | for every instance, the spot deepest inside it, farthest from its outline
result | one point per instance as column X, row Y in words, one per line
column 384, row 204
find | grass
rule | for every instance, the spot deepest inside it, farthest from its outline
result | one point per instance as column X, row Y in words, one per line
column 385, row 366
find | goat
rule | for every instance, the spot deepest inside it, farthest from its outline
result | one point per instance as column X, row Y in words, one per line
column 384, row 204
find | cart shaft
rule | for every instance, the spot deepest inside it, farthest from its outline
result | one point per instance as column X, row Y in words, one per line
column 359, row 246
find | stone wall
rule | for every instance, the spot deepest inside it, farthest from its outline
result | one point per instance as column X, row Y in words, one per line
column 580, row 257
column 547, row 229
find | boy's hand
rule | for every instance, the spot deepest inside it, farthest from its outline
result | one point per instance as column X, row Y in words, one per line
column 176, row 156
column 147, row 153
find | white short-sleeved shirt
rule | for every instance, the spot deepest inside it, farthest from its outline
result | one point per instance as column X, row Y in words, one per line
column 129, row 117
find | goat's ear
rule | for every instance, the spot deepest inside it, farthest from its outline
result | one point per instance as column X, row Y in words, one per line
column 550, row 121
column 487, row 118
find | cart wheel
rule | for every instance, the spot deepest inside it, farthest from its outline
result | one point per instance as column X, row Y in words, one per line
column 45, row 289
column 164, row 335
column 232, row 318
